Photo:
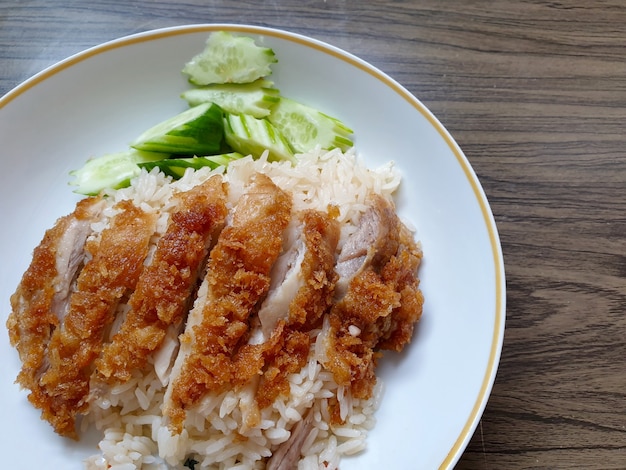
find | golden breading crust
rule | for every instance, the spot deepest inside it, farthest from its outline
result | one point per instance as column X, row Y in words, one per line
column 38, row 304
column 237, row 278
column 379, row 310
column 164, row 290
column 113, row 271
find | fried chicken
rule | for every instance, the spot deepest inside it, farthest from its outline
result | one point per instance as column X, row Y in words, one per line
column 303, row 278
column 164, row 290
column 238, row 277
column 382, row 300
column 116, row 262
column 290, row 343
column 40, row 302
column 255, row 289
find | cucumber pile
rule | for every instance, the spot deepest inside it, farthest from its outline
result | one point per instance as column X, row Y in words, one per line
column 234, row 111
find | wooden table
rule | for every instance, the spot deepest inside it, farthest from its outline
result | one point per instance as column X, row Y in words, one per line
column 535, row 94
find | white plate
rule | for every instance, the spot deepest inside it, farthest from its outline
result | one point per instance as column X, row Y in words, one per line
column 99, row 100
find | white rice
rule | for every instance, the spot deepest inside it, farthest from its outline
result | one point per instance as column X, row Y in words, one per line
column 135, row 435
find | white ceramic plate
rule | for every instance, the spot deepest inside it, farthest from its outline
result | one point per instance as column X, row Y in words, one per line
column 99, row 100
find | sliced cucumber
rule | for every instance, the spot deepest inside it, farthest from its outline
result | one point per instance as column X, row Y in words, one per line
column 225, row 158
column 176, row 167
column 196, row 131
column 305, row 127
column 113, row 170
column 250, row 136
column 229, row 59
column 256, row 98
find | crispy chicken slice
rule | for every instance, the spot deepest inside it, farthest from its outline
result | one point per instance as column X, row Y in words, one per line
column 287, row 279
column 300, row 293
column 237, row 279
column 116, row 262
column 396, row 330
column 308, row 303
column 164, row 290
column 321, row 235
column 303, row 278
column 290, row 353
column 40, row 302
column 374, row 241
column 381, row 305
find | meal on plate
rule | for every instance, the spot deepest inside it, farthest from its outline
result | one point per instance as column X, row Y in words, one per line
column 222, row 294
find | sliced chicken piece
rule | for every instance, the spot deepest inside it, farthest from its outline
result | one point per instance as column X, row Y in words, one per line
column 303, row 278
column 287, row 279
column 163, row 294
column 321, row 235
column 40, row 302
column 71, row 256
column 116, row 262
column 237, row 279
column 287, row 355
column 301, row 292
column 396, row 330
column 374, row 240
column 381, row 304
column 165, row 355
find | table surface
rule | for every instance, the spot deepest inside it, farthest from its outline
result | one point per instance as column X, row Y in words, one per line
column 534, row 92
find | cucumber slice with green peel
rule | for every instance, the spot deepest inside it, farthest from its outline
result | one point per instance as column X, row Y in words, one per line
column 256, row 98
column 225, row 158
column 176, row 167
column 113, row 170
column 250, row 136
column 305, row 127
column 229, row 59
column 196, row 131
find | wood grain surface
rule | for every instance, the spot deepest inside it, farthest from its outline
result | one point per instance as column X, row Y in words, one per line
column 534, row 92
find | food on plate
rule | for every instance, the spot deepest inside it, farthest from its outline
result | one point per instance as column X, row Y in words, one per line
column 304, row 276
column 234, row 110
column 113, row 170
column 256, row 98
column 196, row 131
column 224, row 310
column 229, row 58
column 249, row 135
column 305, row 127
column 42, row 299
column 165, row 288
column 238, row 277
